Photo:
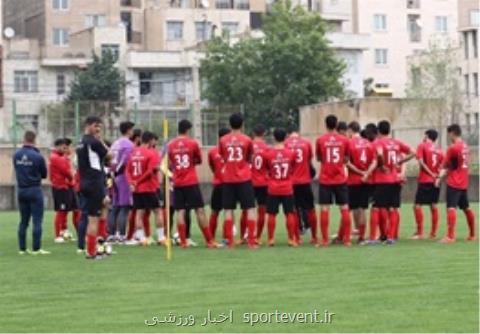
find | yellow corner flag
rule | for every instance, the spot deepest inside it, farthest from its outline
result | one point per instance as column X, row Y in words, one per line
column 167, row 174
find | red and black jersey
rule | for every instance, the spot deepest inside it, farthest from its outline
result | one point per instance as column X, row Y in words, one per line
column 332, row 152
column 142, row 169
column 390, row 150
column 280, row 164
column 456, row 160
column 184, row 154
column 236, row 150
column 361, row 153
column 259, row 166
column 432, row 156
column 302, row 150
column 60, row 169
column 215, row 161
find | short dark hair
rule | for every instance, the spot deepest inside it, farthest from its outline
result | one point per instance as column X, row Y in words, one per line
column 354, row 126
column 364, row 133
column 455, row 129
column 136, row 134
column 342, row 126
column 147, row 136
column 223, row 131
column 292, row 128
column 29, row 137
column 331, row 122
column 236, row 121
column 183, row 126
column 279, row 134
column 126, row 126
column 59, row 141
column 93, row 120
column 432, row 134
column 259, row 130
column 371, row 131
column 384, row 127
column 68, row 141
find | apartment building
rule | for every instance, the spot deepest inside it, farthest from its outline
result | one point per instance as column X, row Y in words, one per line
column 399, row 29
column 468, row 28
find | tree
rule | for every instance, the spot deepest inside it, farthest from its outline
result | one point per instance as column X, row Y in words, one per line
column 101, row 81
column 290, row 66
column 433, row 87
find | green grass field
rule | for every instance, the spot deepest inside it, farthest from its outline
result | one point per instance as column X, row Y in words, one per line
column 414, row 286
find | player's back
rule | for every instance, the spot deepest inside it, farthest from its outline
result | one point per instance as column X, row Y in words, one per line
column 332, row 150
column 391, row 151
column 458, row 169
column 138, row 164
column 302, row 151
column 236, row 150
column 280, row 164
column 259, row 169
column 184, row 153
column 361, row 154
column 216, row 164
column 433, row 157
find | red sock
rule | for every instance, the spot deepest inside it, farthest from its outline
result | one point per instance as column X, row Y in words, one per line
column 383, row 222
column 77, row 214
column 271, row 226
column 374, row 217
column 213, row 223
column 131, row 224
column 60, row 217
column 324, row 225
column 393, row 226
column 418, row 219
column 347, row 225
column 228, row 231
column 146, row 223
column 182, row 232
column 261, row 221
column 471, row 221
column 361, row 232
column 243, row 224
column 207, row 234
column 312, row 220
column 451, row 221
column 102, row 228
column 252, row 231
column 91, row 244
column 434, row 211
column 291, row 226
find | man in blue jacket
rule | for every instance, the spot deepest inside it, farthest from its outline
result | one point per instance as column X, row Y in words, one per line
column 30, row 169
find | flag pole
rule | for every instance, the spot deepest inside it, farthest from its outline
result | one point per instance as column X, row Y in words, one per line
column 167, row 189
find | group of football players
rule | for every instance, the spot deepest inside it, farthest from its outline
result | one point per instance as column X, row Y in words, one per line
column 120, row 186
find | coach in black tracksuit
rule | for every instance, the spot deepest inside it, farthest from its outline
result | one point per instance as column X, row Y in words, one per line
column 30, row 169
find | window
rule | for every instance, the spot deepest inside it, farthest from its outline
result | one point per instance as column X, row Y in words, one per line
column 474, row 44
column 467, row 86
column 242, row 4
column 174, row 30
column 113, row 49
column 60, row 4
column 60, row 37
column 475, row 18
column 382, row 85
column 380, row 22
column 475, row 84
column 95, row 20
column 26, row 81
column 230, row 28
column 413, row 4
column 61, row 83
column 145, row 82
column 203, row 30
column 414, row 28
column 223, row 4
column 126, row 3
column 441, row 24
column 126, row 19
column 465, row 45
column 381, row 56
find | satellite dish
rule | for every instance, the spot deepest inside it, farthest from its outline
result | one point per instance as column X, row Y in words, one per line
column 205, row 4
column 9, row 32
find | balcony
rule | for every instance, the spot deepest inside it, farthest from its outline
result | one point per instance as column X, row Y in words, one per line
column 131, row 3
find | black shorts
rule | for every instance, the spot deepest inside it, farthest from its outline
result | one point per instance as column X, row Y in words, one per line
column 234, row 193
column 274, row 201
column 161, row 198
column 327, row 194
column 188, row 197
column 94, row 193
column 387, row 195
column 457, row 198
column 358, row 196
column 427, row 194
column 303, row 196
column 261, row 194
column 216, row 199
column 64, row 199
column 145, row 201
